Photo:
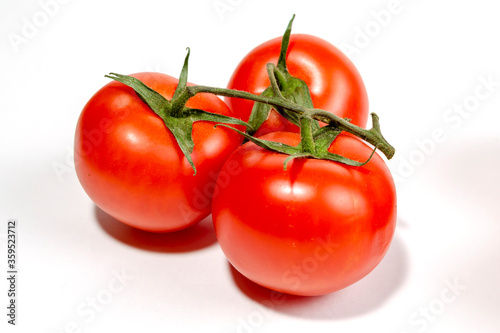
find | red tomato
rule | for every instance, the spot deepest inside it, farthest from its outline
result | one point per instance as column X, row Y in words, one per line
column 313, row 229
column 334, row 83
column 130, row 165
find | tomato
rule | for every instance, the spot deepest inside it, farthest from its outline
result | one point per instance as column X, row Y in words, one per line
column 313, row 229
column 130, row 165
column 334, row 83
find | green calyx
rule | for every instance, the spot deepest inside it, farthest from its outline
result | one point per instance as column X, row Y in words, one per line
column 177, row 117
column 282, row 85
column 313, row 144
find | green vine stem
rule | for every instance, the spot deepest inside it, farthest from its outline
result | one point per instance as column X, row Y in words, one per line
column 372, row 136
column 306, row 135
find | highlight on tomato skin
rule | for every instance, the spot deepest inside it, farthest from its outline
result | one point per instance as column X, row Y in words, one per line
column 131, row 166
column 313, row 229
column 334, row 83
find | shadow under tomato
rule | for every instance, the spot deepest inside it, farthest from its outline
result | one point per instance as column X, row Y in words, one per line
column 196, row 237
column 364, row 296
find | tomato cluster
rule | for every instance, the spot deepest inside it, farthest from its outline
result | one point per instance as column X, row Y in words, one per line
column 295, row 224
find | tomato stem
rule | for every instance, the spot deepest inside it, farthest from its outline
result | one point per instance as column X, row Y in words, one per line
column 181, row 95
column 372, row 136
column 284, row 47
column 283, row 85
column 277, row 79
column 306, row 135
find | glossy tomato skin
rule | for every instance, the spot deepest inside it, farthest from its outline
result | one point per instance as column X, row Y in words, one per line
column 334, row 82
column 130, row 165
column 316, row 228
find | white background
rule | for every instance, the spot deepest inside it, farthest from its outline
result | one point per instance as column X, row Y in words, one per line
column 420, row 66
